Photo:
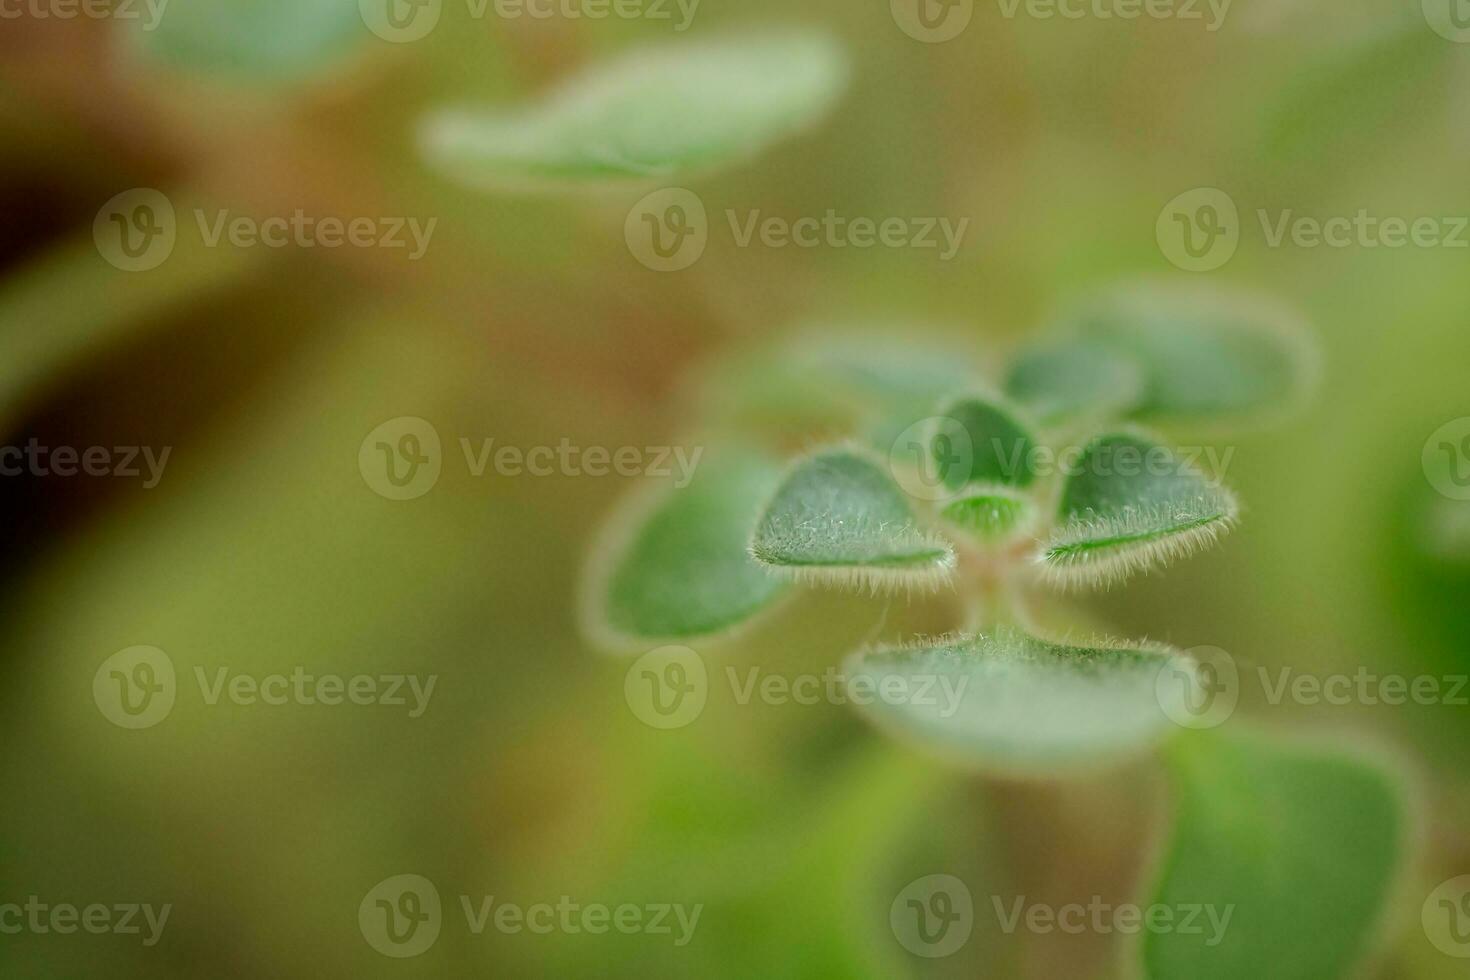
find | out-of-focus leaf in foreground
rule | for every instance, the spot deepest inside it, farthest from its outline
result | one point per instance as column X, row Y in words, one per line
column 651, row 114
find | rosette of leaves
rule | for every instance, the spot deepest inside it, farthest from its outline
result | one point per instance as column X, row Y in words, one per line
column 926, row 473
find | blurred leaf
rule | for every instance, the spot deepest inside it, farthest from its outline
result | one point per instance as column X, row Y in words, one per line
column 264, row 40
column 1059, row 381
column 675, row 565
column 1299, row 845
column 1131, row 504
column 1205, row 355
column 1010, row 703
column 71, row 305
column 654, row 113
column 979, row 442
column 840, row 518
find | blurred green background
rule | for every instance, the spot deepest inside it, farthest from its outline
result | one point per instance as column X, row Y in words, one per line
column 528, row 321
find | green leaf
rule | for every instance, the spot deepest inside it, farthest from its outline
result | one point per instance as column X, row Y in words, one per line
column 839, row 517
column 1061, row 380
column 657, row 113
column 267, row 40
column 1131, row 504
column 989, row 514
column 1011, row 703
column 1205, row 355
column 980, row 443
column 674, row 566
column 1300, row 844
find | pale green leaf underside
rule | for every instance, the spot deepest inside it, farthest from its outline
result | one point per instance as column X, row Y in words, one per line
column 1131, row 504
column 268, row 40
column 1204, row 355
column 677, row 568
column 1303, row 842
column 839, row 516
column 1063, row 380
column 1009, row 702
column 988, row 513
column 653, row 113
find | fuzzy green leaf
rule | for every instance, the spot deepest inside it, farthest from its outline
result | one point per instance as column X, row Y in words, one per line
column 264, row 40
column 839, row 517
column 1011, row 703
column 1131, row 504
column 1300, row 845
column 1204, row 355
column 1060, row 381
column 657, row 113
column 674, row 566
